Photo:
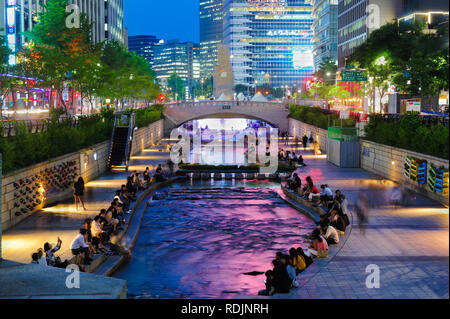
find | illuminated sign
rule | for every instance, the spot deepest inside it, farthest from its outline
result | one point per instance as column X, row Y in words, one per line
column 287, row 33
column 11, row 28
column 303, row 59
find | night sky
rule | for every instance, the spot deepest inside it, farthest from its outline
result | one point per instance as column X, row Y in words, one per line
column 167, row 19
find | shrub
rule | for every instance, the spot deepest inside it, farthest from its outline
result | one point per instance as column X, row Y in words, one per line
column 59, row 138
column 317, row 116
column 409, row 133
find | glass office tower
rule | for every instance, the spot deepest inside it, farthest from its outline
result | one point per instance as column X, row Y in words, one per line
column 325, row 14
column 211, row 34
column 270, row 41
column 143, row 45
column 177, row 57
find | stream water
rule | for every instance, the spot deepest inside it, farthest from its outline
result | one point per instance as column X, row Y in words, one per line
column 200, row 240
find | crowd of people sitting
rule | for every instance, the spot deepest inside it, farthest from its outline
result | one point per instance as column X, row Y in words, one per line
column 330, row 228
column 101, row 234
column 291, row 157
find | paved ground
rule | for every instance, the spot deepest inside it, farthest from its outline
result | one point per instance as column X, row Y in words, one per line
column 410, row 245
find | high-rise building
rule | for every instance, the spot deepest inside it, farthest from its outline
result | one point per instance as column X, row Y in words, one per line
column 325, row 25
column 177, row 57
column 412, row 6
column 358, row 18
column 211, row 34
column 143, row 45
column 18, row 16
column 270, row 41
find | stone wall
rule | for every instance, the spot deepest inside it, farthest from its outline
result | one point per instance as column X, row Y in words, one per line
column 297, row 129
column 147, row 136
column 388, row 162
column 27, row 184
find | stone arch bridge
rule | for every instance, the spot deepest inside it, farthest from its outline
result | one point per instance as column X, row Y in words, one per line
column 274, row 113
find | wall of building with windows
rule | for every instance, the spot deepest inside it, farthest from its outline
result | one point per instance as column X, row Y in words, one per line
column 143, row 45
column 325, row 25
column 18, row 16
column 270, row 41
column 177, row 57
column 211, row 34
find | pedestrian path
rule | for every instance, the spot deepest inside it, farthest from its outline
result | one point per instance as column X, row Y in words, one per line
column 63, row 220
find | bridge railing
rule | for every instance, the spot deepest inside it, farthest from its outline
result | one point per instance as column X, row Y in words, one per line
column 221, row 104
column 281, row 104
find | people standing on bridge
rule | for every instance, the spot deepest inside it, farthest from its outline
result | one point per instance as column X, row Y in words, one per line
column 78, row 192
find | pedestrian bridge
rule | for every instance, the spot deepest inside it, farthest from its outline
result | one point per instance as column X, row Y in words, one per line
column 274, row 113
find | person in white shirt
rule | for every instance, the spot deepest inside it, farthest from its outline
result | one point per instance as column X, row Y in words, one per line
column 326, row 195
column 42, row 259
column 330, row 233
column 96, row 228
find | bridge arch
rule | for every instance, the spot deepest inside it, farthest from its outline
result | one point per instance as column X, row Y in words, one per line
column 275, row 114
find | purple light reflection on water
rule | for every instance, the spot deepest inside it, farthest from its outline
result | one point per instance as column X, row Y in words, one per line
column 199, row 243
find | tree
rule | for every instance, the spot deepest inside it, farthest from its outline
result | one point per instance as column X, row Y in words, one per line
column 327, row 70
column 416, row 62
column 176, row 85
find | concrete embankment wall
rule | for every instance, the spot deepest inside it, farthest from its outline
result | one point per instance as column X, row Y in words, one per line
column 89, row 163
column 298, row 129
column 388, row 162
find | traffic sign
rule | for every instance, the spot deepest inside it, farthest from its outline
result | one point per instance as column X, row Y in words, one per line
column 353, row 77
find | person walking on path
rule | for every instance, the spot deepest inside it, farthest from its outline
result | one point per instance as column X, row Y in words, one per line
column 361, row 209
column 79, row 192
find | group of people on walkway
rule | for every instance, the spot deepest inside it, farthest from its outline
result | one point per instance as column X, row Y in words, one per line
column 330, row 228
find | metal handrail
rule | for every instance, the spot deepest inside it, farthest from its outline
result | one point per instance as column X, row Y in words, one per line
column 129, row 140
column 111, row 141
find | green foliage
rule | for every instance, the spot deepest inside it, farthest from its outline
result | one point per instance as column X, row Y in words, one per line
column 416, row 62
column 59, row 138
column 409, row 133
column 316, row 116
column 177, row 86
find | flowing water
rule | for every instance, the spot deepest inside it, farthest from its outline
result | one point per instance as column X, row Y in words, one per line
column 199, row 241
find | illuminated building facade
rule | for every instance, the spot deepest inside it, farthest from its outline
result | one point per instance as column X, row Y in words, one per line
column 270, row 41
column 18, row 16
column 211, row 34
column 143, row 45
column 176, row 57
column 325, row 14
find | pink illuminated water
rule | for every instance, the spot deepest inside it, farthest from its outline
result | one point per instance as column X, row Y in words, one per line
column 198, row 243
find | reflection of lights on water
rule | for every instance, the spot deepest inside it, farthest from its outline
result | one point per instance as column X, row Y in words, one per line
column 12, row 244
